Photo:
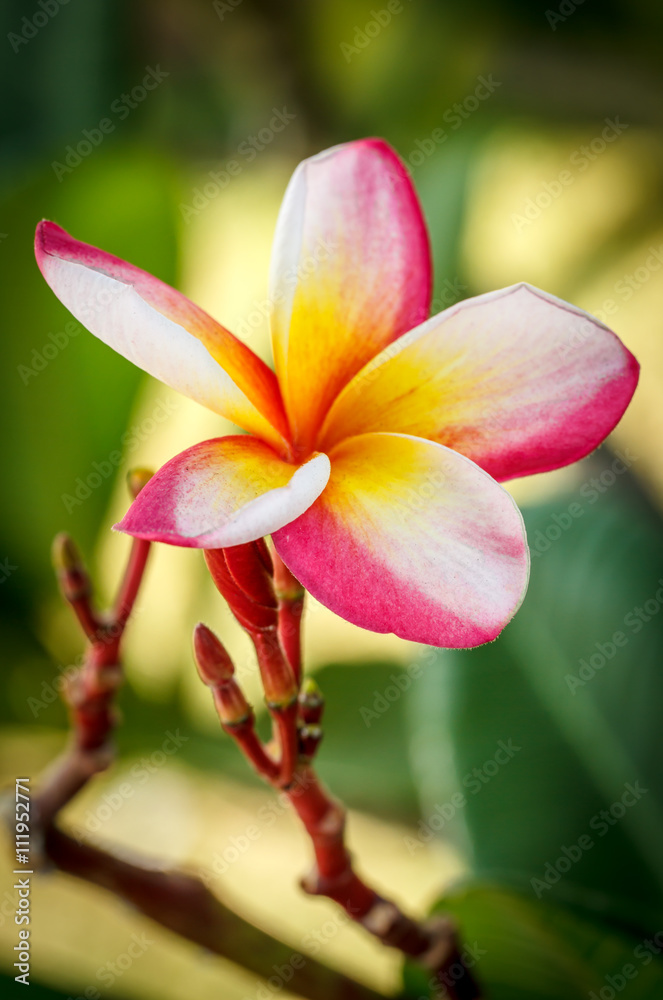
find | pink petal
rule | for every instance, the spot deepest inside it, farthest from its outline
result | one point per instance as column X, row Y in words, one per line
column 412, row 538
column 517, row 380
column 223, row 492
column 351, row 272
column 161, row 331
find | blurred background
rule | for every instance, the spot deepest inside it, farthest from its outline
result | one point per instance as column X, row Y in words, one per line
column 534, row 136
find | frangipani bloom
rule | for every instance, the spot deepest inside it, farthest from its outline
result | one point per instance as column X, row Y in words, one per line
column 373, row 456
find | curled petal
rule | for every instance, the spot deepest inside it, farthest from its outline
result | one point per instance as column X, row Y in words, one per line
column 517, row 380
column 411, row 537
column 162, row 332
column 224, row 492
column 350, row 272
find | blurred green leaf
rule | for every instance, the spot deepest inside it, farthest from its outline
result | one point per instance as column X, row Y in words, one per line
column 66, row 397
column 522, row 949
column 364, row 754
column 575, row 683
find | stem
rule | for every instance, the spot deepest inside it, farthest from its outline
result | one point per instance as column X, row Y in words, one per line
column 285, row 720
column 175, row 900
column 433, row 943
column 132, row 580
column 289, row 629
column 296, row 711
column 246, row 738
column 91, row 693
column 290, row 595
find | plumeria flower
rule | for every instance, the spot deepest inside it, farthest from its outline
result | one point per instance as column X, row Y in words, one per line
column 374, row 452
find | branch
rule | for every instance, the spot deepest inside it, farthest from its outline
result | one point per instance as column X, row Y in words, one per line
column 175, row 900
column 268, row 615
column 182, row 904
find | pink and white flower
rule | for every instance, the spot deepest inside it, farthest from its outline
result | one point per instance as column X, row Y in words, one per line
column 375, row 450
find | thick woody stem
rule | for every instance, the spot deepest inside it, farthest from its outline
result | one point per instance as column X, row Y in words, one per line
column 182, row 904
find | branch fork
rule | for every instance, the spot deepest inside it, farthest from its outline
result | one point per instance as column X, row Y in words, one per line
column 268, row 602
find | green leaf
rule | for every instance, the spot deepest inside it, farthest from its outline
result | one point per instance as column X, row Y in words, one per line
column 523, row 949
column 66, row 398
column 364, row 753
column 575, row 683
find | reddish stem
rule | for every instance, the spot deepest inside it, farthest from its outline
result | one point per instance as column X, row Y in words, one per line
column 246, row 738
column 290, row 594
column 133, row 576
column 285, row 720
column 290, row 633
column 278, row 680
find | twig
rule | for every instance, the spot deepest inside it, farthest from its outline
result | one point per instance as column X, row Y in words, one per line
column 175, row 900
column 182, row 904
column 432, row 943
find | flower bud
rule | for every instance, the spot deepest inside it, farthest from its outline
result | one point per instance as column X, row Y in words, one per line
column 311, row 702
column 137, row 479
column 217, row 671
column 309, row 740
column 232, row 707
column 72, row 575
column 214, row 664
column 247, row 568
column 254, row 617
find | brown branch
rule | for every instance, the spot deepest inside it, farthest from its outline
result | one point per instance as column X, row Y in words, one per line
column 182, row 904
